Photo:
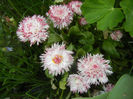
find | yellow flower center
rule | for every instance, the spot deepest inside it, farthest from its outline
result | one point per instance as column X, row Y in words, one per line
column 57, row 59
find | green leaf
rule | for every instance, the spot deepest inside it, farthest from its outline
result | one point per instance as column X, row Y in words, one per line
column 80, row 52
column 102, row 96
column 127, row 6
column 62, row 85
column 58, row 1
column 53, row 38
column 109, row 47
column 48, row 75
column 70, row 47
column 87, row 38
column 102, row 11
column 88, row 48
column 123, row 88
column 63, row 82
column 110, row 20
column 93, row 10
column 74, row 30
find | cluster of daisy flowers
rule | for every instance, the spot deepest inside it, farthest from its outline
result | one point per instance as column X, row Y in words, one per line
column 92, row 69
column 35, row 28
column 62, row 15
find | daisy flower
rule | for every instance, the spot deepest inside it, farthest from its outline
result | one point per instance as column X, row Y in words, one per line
column 82, row 21
column 108, row 87
column 33, row 29
column 116, row 35
column 95, row 68
column 60, row 15
column 57, row 59
column 77, row 83
column 75, row 6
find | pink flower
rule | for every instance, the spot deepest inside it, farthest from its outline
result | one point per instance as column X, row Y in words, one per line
column 77, row 83
column 75, row 6
column 116, row 35
column 60, row 15
column 57, row 59
column 95, row 68
column 108, row 87
column 33, row 29
column 82, row 21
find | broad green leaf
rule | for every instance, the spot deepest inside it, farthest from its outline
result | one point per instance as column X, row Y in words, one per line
column 127, row 6
column 123, row 88
column 110, row 20
column 102, row 11
column 93, row 10
column 102, row 96
column 109, row 47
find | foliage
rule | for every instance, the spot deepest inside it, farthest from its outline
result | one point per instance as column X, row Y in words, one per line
column 21, row 74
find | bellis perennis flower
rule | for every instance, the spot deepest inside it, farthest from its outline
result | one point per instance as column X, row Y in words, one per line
column 78, row 83
column 75, row 6
column 95, row 68
column 116, row 35
column 61, row 15
column 108, row 87
column 82, row 21
column 57, row 59
column 33, row 29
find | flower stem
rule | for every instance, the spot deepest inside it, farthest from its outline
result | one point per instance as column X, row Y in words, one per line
column 68, row 96
column 61, row 97
column 131, row 70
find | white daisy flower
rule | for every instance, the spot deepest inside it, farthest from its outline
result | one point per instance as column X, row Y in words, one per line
column 95, row 68
column 33, row 29
column 78, row 83
column 57, row 59
column 60, row 15
column 75, row 6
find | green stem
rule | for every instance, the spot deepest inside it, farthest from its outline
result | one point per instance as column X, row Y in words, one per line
column 10, row 2
column 62, row 33
column 62, row 94
column 76, row 94
column 68, row 96
column 30, row 96
column 131, row 70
